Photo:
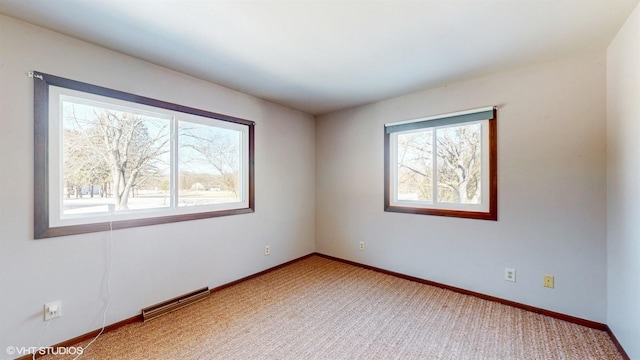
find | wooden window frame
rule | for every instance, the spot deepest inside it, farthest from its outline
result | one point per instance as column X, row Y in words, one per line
column 42, row 228
column 491, row 214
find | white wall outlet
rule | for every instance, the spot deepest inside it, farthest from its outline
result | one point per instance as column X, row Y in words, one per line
column 52, row 310
column 267, row 249
column 510, row 274
column 361, row 245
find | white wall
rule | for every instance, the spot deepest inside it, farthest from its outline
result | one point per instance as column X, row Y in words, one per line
column 551, row 180
column 623, row 192
column 150, row 264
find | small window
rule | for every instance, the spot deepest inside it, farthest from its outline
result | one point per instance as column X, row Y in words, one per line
column 107, row 159
column 443, row 165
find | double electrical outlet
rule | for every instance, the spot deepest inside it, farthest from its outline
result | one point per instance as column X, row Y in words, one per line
column 52, row 310
column 510, row 274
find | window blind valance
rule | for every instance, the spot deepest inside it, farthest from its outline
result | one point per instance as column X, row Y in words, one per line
column 442, row 120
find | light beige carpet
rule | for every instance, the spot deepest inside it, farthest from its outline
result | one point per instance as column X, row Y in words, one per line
column 318, row 308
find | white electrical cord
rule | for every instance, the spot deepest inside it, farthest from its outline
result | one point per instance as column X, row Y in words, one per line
column 106, row 308
column 33, row 356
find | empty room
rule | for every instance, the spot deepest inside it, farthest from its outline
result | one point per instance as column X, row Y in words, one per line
column 437, row 179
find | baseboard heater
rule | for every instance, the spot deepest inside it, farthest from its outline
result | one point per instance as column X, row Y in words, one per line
column 174, row 304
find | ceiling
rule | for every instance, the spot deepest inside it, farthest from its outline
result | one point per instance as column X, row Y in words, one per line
column 322, row 56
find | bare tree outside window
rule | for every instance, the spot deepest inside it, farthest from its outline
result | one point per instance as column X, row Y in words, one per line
column 458, row 164
column 415, row 166
column 208, row 156
column 113, row 155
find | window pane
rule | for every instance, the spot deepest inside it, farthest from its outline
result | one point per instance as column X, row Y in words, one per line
column 459, row 164
column 415, row 166
column 208, row 164
column 113, row 159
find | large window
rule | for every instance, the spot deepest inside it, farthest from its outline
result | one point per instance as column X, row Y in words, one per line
column 443, row 165
column 107, row 159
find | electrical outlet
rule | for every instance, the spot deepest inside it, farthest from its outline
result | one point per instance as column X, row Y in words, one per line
column 52, row 310
column 267, row 249
column 361, row 245
column 548, row 281
column 510, row 274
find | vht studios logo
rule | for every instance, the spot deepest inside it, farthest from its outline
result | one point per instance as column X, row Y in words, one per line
column 48, row 350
